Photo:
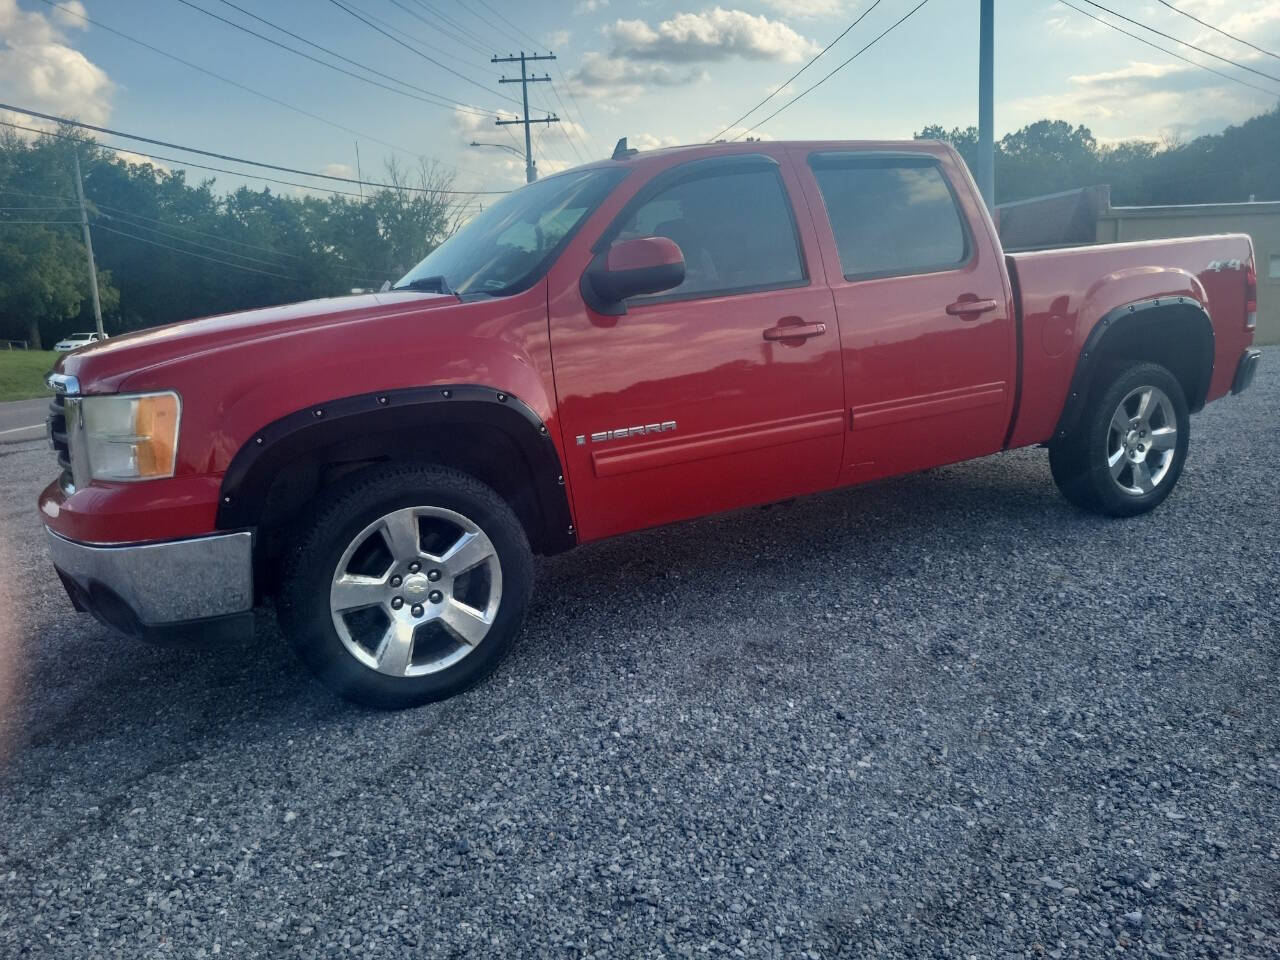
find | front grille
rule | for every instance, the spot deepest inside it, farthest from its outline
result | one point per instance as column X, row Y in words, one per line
column 58, row 432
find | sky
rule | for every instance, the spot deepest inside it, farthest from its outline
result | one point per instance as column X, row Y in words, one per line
column 656, row 71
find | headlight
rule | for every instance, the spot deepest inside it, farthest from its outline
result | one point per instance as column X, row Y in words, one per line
column 126, row 437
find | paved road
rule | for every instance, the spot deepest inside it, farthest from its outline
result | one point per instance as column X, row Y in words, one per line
column 23, row 419
column 947, row 716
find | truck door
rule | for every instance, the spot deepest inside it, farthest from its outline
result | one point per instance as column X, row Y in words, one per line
column 697, row 400
column 927, row 327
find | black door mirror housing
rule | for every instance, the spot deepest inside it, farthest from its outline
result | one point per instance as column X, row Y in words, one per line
column 632, row 268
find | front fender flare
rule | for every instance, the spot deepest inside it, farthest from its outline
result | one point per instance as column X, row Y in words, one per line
column 255, row 466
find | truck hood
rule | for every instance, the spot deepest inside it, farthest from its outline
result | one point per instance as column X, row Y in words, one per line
column 101, row 367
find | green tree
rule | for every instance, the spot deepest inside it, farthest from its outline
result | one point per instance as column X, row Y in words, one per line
column 43, row 282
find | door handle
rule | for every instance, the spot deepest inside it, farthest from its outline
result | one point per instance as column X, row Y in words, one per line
column 795, row 331
column 970, row 309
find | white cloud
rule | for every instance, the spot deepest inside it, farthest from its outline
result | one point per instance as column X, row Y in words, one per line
column 590, row 6
column 1114, row 102
column 558, row 39
column 649, row 141
column 717, row 34
column 808, row 9
column 70, row 13
column 620, row 79
column 38, row 68
column 130, row 157
column 337, row 170
column 1235, row 17
column 1073, row 26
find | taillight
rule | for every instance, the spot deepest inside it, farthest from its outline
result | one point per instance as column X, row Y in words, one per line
column 1251, row 297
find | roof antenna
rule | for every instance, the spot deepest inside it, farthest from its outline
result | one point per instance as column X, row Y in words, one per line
column 620, row 152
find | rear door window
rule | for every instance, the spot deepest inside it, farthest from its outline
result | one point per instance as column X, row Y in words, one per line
column 891, row 216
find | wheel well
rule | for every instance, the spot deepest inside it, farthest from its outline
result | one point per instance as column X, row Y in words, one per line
column 1178, row 339
column 482, row 451
column 1173, row 332
column 491, row 436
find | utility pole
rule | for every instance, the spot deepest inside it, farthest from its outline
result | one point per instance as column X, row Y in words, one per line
column 88, row 248
column 986, row 104
column 530, row 168
column 359, row 173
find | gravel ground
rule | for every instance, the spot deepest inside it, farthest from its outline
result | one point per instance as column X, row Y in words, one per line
column 946, row 716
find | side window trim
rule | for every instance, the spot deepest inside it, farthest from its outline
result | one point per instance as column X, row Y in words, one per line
column 699, row 170
column 888, row 160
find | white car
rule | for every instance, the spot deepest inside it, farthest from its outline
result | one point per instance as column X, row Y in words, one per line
column 77, row 340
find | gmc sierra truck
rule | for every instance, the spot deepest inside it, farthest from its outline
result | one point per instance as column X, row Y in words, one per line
column 642, row 340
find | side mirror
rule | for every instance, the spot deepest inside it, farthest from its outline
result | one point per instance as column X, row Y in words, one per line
column 630, row 269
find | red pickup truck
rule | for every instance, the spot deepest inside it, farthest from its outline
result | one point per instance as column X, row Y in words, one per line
column 642, row 340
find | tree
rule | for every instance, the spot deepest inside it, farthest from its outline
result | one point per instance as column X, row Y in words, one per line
column 43, row 282
column 1049, row 156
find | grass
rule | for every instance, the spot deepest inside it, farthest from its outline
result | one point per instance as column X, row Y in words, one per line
column 22, row 373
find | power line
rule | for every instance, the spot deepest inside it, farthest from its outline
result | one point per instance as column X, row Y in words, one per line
column 1185, row 43
column 418, row 40
column 571, row 128
column 217, row 76
column 195, row 243
column 1232, row 36
column 515, row 34
column 435, row 99
column 490, row 25
column 199, row 256
column 412, row 49
column 180, row 162
column 461, row 36
column 24, row 193
column 897, row 23
column 499, row 15
column 344, row 268
column 341, row 268
column 8, row 209
column 223, row 156
column 787, row 82
column 179, row 226
column 582, row 117
column 185, row 163
column 468, row 35
column 437, row 28
column 1164, row 50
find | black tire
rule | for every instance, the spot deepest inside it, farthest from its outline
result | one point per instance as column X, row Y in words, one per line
column 1080, row 463
column 341, row 516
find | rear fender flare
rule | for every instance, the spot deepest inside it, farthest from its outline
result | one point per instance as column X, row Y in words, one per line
column 1110, row 328
column 252, row 471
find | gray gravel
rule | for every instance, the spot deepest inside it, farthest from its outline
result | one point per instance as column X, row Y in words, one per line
column 946, row 716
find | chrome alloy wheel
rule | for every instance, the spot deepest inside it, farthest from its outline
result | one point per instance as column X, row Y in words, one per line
column 416, row 591
column 1142, row 440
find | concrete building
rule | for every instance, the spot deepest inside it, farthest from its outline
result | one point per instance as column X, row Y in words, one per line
column 1064, row 219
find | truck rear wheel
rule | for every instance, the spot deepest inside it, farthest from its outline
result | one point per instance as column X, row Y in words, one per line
column 1127, row 451
column 409, row 587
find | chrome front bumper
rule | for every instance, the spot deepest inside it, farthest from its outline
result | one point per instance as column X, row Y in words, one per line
column 159, row 588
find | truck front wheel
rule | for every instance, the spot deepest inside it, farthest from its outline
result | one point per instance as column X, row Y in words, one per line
column 1127, row 450
column 409, row 586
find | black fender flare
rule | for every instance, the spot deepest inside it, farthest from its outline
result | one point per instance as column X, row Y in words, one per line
column 255, row 466
column 1111, row 328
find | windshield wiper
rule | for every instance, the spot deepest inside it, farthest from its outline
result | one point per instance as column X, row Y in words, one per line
column 433, row 284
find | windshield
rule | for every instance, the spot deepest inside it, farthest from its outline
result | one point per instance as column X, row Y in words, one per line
column 506, row 248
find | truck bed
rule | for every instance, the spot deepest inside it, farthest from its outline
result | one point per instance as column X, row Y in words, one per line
column 1063, row 293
